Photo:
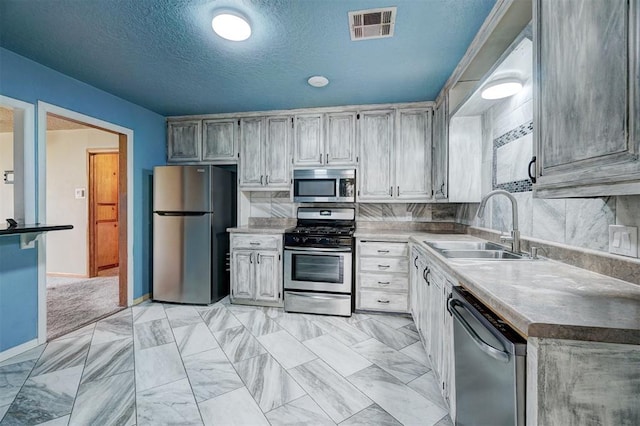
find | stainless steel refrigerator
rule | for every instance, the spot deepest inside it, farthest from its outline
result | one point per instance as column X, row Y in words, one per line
column 192, row 208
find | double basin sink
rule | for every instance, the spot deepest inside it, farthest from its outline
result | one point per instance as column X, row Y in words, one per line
column 483, row 250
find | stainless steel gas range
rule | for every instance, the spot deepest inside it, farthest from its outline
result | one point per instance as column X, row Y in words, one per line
column 318, row 262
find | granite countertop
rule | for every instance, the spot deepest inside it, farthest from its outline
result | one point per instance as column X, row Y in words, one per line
column 545, row 298
column 260, row 229
column 32, row 228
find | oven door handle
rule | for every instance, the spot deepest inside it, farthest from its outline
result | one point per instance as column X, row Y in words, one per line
column 311, row 296
column 319, row 249
column 484, row 346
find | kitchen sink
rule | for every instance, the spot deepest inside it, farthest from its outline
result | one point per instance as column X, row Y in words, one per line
column 484, row 250
column 483, row 254
column 464, row 245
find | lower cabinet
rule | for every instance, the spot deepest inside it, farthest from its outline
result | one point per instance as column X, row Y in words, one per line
column 382, row 278
column 256, row 269
column 430, row 290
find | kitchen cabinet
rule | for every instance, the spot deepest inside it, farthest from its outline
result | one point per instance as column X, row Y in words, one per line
column 219, row 140
column 395, row 150
column 325, row 139
column 184, row 139
column 264, row 152
column 382, row 278
column 256, row 269
column 586, row 85
column 440, row 158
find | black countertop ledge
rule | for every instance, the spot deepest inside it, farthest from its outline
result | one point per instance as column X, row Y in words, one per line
column 31, row 228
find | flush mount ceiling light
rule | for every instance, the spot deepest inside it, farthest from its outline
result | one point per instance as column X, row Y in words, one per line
column 318, row 81
column 231, row 26
column 501, row 88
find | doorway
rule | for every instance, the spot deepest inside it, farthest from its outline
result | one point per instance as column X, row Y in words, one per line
column 86, row 272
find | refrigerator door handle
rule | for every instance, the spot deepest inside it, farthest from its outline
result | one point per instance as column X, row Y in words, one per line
column 181, row 213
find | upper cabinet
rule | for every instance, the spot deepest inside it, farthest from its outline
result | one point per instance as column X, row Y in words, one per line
column 395, row 147
column 586, row 86
column 209, row 141
column 264, row 152
column 325, row 139
column 184, row 141
column 219, row 139
column 440, row 157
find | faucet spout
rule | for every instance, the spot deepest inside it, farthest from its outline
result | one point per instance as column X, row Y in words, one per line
column 515, row 233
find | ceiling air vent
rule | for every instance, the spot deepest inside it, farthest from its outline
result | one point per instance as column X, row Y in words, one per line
column 372, row 23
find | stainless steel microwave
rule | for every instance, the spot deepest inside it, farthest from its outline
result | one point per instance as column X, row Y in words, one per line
column 324, row 185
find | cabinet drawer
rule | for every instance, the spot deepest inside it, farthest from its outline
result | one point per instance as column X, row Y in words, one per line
column 383, row 264
column 383, row 301
column 383, row 249
column 251, row 241
column 384, row 281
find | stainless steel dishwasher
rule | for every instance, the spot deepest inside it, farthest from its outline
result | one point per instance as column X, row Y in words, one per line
column 490, row 365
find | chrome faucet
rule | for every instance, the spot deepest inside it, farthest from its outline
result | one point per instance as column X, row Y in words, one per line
column 514, row 239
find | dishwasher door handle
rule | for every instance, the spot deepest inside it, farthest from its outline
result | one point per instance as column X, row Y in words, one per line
column 484, row 346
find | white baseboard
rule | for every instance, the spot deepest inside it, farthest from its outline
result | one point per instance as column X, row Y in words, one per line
column 17, row 350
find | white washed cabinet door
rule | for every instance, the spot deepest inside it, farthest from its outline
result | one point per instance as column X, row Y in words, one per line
column 276, row 152
column 243, row 274
column 308, row 141
column 376, row 140
column 588, row 91
column 340, row 141
column 413, row 155
column 251, row 141
column 219, row 139
column 184, row 140
column 440, row 145
column 268, row 277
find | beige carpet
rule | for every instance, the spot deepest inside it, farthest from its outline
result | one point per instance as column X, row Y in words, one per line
column 75, row 302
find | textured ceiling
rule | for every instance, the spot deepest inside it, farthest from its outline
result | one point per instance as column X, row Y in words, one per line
column 53, row 122
column 163, row 55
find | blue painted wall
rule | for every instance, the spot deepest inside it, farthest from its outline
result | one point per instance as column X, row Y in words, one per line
column 28, row 81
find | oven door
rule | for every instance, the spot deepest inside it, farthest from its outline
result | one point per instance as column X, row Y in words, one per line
column 318, row 269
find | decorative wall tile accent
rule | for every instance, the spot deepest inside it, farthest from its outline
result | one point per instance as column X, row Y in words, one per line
column 512, row 156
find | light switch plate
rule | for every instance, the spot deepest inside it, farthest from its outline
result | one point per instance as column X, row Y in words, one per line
column 80, row 193
column 623, row 240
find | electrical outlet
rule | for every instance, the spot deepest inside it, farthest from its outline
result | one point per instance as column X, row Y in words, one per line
column 623, row 240
column 80, row 193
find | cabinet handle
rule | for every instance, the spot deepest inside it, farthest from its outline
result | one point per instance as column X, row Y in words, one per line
column 250, row 257
column 415, row 262
column 383, row 251
column 398, row 191
column 254, row 243
column 391, row 191
column 320, row 158
column 384, row 282
column 258, row 257
column 384, row 266
column 424, row 275
column 326, row 161
column 266, row 181
column 532, row 175
column 261, row 176
column 383, row 301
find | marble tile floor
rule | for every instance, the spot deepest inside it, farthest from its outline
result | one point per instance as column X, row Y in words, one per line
column 157, row 364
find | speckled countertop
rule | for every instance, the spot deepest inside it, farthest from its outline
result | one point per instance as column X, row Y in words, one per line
column 544, row 298
column 260, row 229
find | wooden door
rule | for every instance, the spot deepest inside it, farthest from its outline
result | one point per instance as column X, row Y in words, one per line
column 341, row 139
column 413, row 155
column 268, row 277
column 376, row 140
column 242, row 274
column 184, row 140
column 308, row 145
column 219, row 139
column 276, row 152
column 251, row 141
column 103, row 197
